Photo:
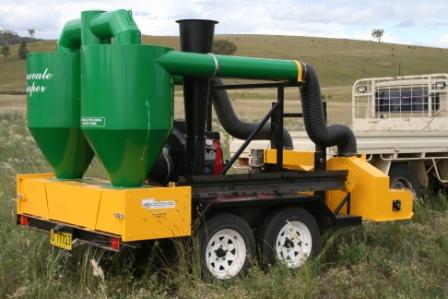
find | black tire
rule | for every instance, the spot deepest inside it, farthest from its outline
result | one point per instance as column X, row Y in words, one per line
column 434, row 187
column 226, row 262
column 403, row 176
column 272, row 233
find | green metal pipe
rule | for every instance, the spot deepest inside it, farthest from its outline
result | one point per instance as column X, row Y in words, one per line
column 118, row 24
column 210, row 65
column 70, row 38
column 87, row 36
column 99, row 26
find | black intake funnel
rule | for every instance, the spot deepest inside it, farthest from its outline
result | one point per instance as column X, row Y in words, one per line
column 196, row 36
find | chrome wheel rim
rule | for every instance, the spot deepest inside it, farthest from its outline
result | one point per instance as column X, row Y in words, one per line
column 225, row 254
column 293, row 244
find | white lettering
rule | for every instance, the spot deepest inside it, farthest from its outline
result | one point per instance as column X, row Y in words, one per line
column 33, row 88
column 44, row 75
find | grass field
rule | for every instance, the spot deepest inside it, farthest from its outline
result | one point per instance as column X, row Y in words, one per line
column 391, row 260
column 403, row 259
column 406, row 259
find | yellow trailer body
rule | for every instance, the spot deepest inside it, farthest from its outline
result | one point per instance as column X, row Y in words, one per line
column 132, row 214
column 370, row 195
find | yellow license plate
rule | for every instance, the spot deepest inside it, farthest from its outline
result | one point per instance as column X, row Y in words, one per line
column 61, row 239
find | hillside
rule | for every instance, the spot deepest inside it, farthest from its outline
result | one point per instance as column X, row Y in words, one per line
column 339, row 62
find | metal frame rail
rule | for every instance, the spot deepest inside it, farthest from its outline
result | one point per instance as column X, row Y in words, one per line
column 276, row 114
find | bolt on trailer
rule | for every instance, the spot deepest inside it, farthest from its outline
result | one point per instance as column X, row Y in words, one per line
column 401, row 126
column 112, row 97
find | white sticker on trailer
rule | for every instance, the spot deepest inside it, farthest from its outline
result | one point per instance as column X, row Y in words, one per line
column 154, row 204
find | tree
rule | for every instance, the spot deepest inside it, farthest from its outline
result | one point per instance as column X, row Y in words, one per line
column 23, row 50
column 378, row 34
column 31, row 32
column 5, row 51
column 224, row 47
column 7, row 36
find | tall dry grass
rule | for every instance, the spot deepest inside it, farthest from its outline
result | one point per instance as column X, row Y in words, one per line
column 406, row 259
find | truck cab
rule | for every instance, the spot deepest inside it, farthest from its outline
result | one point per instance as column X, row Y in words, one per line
column 402, row 126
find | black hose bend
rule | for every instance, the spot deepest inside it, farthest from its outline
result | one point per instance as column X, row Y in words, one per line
column 233, row 125
column 315, row 124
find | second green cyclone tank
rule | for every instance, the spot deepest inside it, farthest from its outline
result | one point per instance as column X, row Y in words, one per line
column 127, row 110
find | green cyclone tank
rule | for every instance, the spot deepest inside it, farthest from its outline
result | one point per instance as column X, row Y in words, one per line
column 53, row 93
column 127, row 108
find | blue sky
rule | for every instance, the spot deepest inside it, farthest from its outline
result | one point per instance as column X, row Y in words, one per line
column 409, row 22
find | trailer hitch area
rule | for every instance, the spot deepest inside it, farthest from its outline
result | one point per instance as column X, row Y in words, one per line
column 370, row 194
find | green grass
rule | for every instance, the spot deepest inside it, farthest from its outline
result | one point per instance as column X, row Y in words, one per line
column 377, row 260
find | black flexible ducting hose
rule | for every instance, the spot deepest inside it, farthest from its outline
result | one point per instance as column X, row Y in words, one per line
column 233, row 125
column 315, row 124
column 169, row 164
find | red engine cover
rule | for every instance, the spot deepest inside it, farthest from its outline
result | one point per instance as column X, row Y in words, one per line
column 219, row 160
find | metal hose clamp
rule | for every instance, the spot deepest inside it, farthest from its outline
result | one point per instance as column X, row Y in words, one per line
column 217, row 68
column 301, row 70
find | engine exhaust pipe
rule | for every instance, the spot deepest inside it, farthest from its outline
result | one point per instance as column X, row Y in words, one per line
column 196, row 36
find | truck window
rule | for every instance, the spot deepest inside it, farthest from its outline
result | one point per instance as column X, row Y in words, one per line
column 405, row 100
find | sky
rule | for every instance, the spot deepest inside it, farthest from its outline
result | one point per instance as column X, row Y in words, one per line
column 406, row 22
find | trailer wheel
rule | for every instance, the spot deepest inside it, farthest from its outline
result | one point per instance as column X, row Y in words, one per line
column 402, row 176
column 227, row 247
column 290, row 236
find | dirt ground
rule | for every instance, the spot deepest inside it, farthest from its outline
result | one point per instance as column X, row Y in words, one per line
column 12, row 103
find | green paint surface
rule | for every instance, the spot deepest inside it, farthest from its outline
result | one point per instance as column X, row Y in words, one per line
column 207, row 65
column 53, row 92
column 127, row 108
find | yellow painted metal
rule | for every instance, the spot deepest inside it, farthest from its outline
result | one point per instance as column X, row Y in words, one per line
column 299, row 71
column 69, row 203
column 31, row 197
column 294, row 160
column 370, row 195
column 146, row 213
column 134, row 214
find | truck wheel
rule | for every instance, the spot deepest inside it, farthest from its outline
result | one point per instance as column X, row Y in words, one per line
column 290, row 236
column 403, row 176
column 434, row 186
column 227, row 247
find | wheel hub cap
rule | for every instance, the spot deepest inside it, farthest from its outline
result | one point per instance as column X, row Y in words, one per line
column 225, row 254
column 293, row 244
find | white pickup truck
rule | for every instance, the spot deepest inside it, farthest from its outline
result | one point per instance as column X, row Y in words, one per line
column 401, row 125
